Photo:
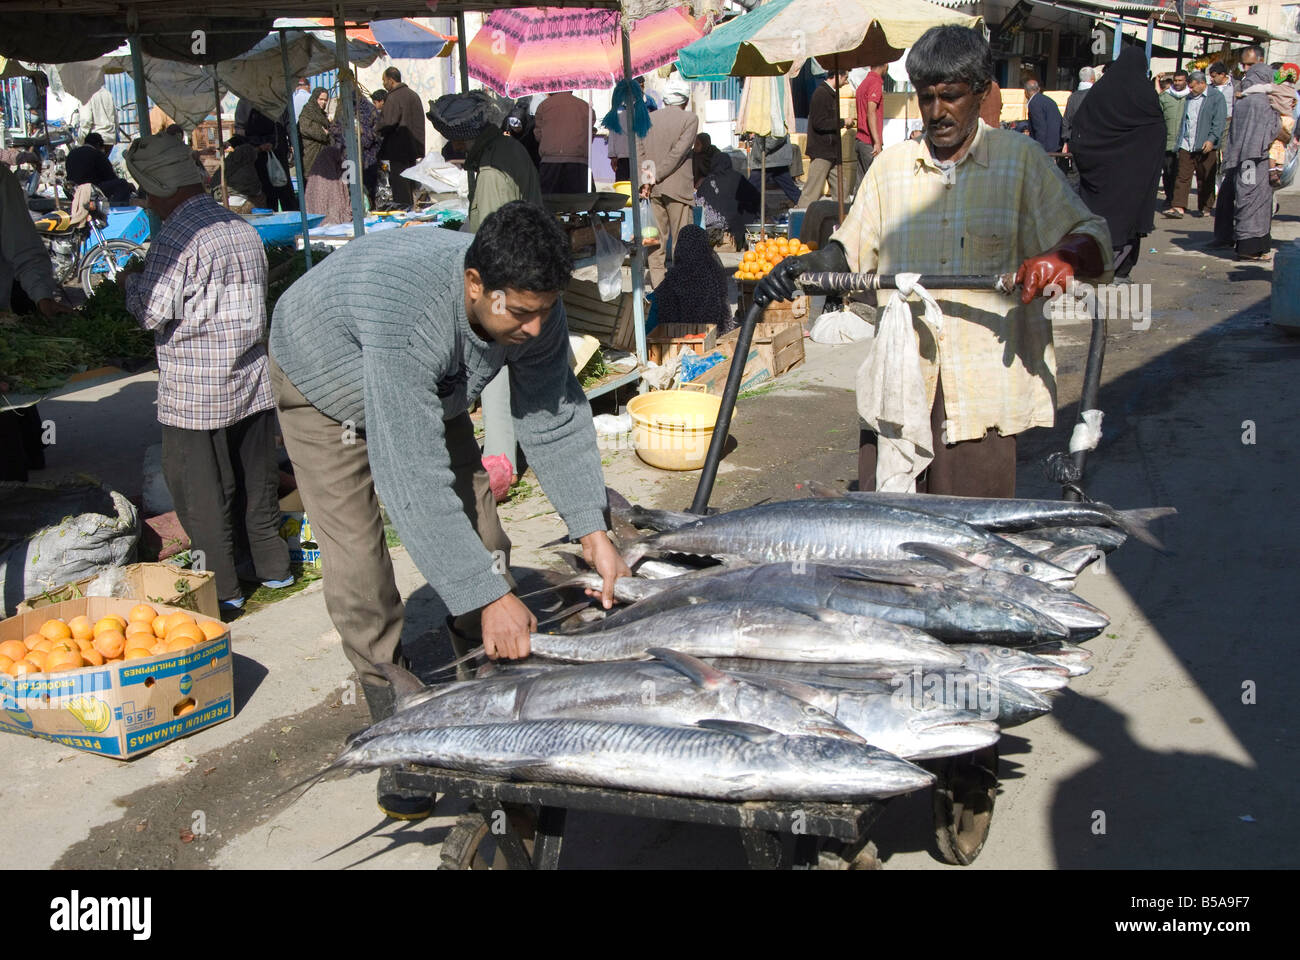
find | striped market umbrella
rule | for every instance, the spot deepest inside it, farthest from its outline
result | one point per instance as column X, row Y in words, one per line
column 531, row 50
column 401, row 39
column 770, row 39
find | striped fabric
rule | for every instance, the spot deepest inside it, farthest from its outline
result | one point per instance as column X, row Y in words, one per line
column 1002, row 202
column 531, row 50
column 203, row 294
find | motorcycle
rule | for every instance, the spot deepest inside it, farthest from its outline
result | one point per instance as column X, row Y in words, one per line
column 79, row 251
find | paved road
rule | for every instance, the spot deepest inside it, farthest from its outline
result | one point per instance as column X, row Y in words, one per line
column 1174, row 752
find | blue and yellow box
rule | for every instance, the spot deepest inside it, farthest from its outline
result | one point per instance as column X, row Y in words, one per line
column 123, row 708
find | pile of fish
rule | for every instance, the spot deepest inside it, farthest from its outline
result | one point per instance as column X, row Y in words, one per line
column 830, row 645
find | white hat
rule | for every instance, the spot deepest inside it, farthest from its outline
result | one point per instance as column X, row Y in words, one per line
column 676, row 90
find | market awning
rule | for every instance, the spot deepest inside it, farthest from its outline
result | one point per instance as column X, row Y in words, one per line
column 1166, row 18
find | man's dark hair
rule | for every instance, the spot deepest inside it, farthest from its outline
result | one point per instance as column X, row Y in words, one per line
column 1179, row 73
column 1217, row 67
column 521, row 247
column 392, row 73
column 94, row 140
column 176, row 130
column 380, row 94
column 304, row 82
column 950, row 54
column 705, row 139
column 1257, row 50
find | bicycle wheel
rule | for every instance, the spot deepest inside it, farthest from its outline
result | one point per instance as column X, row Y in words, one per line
column 103, row 262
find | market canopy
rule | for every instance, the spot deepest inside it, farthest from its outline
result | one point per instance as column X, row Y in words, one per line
column 186, row 91
column 771, row 39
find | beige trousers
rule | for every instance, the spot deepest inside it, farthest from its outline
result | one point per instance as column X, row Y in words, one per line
column 670, row 217
column 338, row 495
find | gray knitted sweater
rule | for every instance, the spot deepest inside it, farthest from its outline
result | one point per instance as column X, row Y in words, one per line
column 377, row 336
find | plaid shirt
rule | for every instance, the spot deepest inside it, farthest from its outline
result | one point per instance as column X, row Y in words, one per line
column 203, row 294
column 1003, row 201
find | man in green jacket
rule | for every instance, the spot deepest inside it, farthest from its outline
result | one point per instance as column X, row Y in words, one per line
column 500, row 171
column 1171, row 105
column 499, row 167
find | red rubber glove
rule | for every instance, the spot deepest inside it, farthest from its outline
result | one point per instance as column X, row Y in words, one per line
column 1077, row 255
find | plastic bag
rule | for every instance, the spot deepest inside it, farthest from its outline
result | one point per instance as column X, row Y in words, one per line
column 275, row 171
column 610, row 254
column 891, row 391
column 1287, row 177
column 647, row 218
column 840, row 326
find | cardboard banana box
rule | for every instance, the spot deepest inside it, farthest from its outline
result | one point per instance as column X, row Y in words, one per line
column 123, row 708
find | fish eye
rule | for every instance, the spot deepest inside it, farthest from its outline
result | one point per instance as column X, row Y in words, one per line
column 1027, row 567
column 1004, row 652
column 1004, row 604
column 811, row 711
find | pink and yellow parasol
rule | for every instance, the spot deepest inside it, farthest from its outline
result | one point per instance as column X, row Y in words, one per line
column 531, row 50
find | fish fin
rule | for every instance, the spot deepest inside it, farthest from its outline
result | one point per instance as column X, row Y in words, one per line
column 1134, row 523
column 821, row 490
column 620, row 513
column 786, row 685
column 940, row 554
column 575, row 562
column 473, row 654
column 746, row 731
column 565, row 612
column 404, row 683
column 507, row 766
column 1073, row 559
column 898, row 579
column 635, row 550
column 695, row 669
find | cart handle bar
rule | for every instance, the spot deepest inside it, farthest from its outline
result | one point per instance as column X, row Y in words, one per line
column 860, row 282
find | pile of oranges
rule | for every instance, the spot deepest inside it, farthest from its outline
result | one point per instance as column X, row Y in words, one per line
column 766, row 254
column 79, row 642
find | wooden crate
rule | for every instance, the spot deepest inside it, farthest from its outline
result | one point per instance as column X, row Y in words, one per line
column 783, row 312
column 779, row 346
column 583, row 238
column 609, row 321
column 669, row 339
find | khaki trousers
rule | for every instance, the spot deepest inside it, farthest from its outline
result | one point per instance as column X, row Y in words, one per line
column 670, row 217
column 338, row 494
column 822, row 172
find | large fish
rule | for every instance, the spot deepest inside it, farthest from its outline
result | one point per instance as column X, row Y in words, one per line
column 1002, row 701
column 676, row 690
column 762, row 629
column 1011, row 514
column 937, row 605
column 718, row 759
column 1081, row 618
column 1004, row 663
column 845, row 531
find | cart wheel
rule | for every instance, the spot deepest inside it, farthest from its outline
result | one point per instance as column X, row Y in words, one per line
column 963, row 804
column 471, row 845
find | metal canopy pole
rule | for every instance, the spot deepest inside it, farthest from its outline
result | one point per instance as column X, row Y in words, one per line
column 1151, row 28
column 638, row 248
column 1119, row 39
column 1182, row 38
column 296, row 139
column 347, row 104
column 141, row 93
column 462, row 54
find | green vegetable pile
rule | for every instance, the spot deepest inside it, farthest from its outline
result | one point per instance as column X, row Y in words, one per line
column 284, row 265
column 595, row 371
column 111, row 335
column 30, row 363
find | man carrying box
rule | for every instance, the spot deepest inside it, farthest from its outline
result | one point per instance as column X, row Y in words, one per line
column 375, row 365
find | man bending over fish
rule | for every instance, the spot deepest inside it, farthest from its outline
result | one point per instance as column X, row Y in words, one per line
column 376, row 358
column 966, row 199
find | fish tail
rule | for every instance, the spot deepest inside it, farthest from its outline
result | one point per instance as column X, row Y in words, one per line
column 1134, row 523
column 345, row 761
column 473, row 654
column 636, row 551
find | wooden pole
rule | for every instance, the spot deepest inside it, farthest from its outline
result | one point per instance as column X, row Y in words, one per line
column 839, row 175
column 141, row 93
column 462, row 52
column 347, row 104
column 221, row 140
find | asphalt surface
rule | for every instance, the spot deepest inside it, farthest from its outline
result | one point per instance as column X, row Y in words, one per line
column 1173, row 752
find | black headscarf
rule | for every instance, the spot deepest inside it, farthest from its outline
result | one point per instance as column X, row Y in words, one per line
column 1118, row 142
column 695, row 289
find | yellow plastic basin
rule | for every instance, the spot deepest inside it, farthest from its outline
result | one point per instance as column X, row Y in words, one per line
column 672, row 429
column 624, row 186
